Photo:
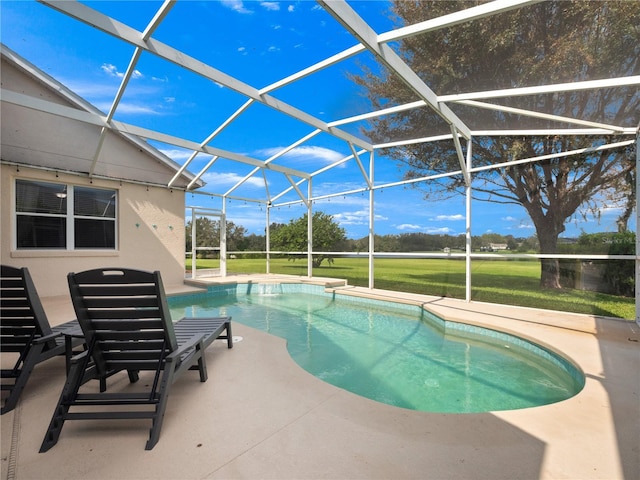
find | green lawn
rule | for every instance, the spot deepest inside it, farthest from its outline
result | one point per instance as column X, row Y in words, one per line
column 510, row 282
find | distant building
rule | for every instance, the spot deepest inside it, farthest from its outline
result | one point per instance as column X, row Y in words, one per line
column 494, row 247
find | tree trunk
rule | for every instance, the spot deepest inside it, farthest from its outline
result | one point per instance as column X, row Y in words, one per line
column 623, row 219
column 550, row 273
column 549, row 267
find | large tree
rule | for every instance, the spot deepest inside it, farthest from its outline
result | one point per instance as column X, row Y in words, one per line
column 292, row 237
column 545, row 43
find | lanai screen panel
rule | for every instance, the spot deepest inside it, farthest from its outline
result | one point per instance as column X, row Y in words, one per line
column 222, row 88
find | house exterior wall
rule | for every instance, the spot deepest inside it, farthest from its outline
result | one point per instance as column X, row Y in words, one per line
column 150, row 232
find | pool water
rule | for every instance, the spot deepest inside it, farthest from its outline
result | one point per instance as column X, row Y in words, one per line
column 396, row 354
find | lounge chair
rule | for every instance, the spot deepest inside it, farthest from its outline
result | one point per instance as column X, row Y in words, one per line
column 25, row 332
column 127, row 325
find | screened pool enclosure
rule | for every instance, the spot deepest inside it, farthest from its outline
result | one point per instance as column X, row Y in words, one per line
column 293, row 107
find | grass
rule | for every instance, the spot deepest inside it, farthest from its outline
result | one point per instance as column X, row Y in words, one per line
column 509, row 282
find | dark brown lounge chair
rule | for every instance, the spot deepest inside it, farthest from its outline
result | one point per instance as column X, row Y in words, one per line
column 127, row 326
column 25, row 332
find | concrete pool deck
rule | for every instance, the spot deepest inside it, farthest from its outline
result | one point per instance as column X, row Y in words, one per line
column 261, row 416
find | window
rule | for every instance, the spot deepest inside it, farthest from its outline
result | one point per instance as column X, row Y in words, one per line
column 59, row 216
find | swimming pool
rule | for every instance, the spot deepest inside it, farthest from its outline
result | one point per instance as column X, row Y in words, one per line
column 394, row 353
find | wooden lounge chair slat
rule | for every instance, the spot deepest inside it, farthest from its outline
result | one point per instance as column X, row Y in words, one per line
column 115, row 302
column 120, row 313
column 10, row 312
column 124, row 324
column 110, row 397
column 115, row 335
column 121, row 346
column 15, row 333
column 125, row 356
column 9, row 302
column 110, row 415
column 115, row 290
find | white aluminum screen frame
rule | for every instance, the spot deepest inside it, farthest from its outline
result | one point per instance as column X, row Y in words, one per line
column 366, row 40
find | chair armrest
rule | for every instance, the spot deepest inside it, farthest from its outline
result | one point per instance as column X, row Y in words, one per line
column 79, row 357
column 46, row 338
column 191, row 343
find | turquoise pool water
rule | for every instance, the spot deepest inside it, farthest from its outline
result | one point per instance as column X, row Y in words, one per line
column 393, row 353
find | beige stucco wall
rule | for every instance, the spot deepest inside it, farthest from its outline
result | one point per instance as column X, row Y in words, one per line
column 151, row 234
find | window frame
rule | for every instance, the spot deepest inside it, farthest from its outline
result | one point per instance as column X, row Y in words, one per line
column 70, row 216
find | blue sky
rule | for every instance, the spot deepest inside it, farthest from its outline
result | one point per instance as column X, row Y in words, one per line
column 258, row 42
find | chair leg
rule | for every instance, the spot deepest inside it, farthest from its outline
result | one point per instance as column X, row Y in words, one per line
column 202, row 363
column 133, row 378
column 165, row 384
column 161, row 406
column 68, row 395
column 28, row 365
column 229, row 336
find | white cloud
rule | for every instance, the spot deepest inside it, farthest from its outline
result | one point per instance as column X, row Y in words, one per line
column 129, row 108
column 439, row 231
column 291, row 8
column 358, row 217
column 143, row 95
column 429, row 230
column 101, row 95
column 176, row 154
column 136, row 109
column 441, row 218
column 273, row 48
column 91, row 91
column 251, row 218
column 408, row 226
column 236, row 6
column 229, row 179
column 611, row 209
column 112, row 71
column 509, row 219
column 272, row 6
column 325, row 155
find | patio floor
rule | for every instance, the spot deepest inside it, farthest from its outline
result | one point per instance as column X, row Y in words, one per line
column 261, row 416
